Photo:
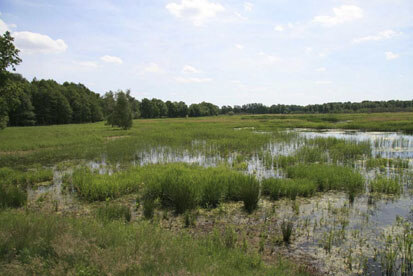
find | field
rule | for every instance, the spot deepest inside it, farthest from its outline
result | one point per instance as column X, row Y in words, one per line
column 245, row 195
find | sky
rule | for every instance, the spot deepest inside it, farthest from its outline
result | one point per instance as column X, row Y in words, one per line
column 222, row 51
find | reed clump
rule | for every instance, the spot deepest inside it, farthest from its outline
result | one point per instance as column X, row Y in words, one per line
column 386, row 185
column 110, row 212
column 329, row 177
column 278, row 188
column 177, row 186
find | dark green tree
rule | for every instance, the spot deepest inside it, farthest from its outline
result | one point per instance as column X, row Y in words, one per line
column 147, row 108
column 9, row 57
column 122, row 113
column 9, row 54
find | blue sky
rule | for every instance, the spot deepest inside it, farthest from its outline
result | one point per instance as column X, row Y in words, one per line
column 225, row 52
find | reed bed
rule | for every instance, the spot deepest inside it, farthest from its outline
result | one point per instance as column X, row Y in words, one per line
column 386, row 185
column 178, row 186
column 329, row 177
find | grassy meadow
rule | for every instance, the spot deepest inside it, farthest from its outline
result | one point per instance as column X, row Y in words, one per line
column 217, row 195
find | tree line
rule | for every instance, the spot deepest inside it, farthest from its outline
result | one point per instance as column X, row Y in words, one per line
column 335, row 107
column 46, row 102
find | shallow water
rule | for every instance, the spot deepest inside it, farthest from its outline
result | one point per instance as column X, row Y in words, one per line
column 355, row 229
column 384, row 144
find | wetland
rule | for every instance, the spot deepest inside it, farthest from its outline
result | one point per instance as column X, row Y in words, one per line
column 249, row 194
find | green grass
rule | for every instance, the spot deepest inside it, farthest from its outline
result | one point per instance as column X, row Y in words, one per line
column 387, row 162
column 102, row 243
column 36, row 244
column 111, row 212
column 341, row 149
column 329, row 177
column 386, row 185
column 178, row 186
column 92, row 186
column 13, row 185
column 278, row 188
column 47, row 145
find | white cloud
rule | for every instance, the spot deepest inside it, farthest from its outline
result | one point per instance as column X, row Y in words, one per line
column 321, row 69
column 192, row 80
column 279, row 28
column 111, row 59
column 391, row 55
column 190, row 69
column 342, row 14
column 387, row 34
column 87, row 64
column 322, row 82
column 239, row 46
column 3, row 27
column 248, row 6
column 196, row 11
column 38, row 43
column 153, row 68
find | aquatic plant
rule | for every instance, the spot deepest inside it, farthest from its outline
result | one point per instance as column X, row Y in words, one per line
column 287, row 230
column 386, row 185
column 148, row 208
column 249, row 193
column 12, row 196
column 110, row 212
column 328, row 177
column 397, row 163
column 277, row 188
